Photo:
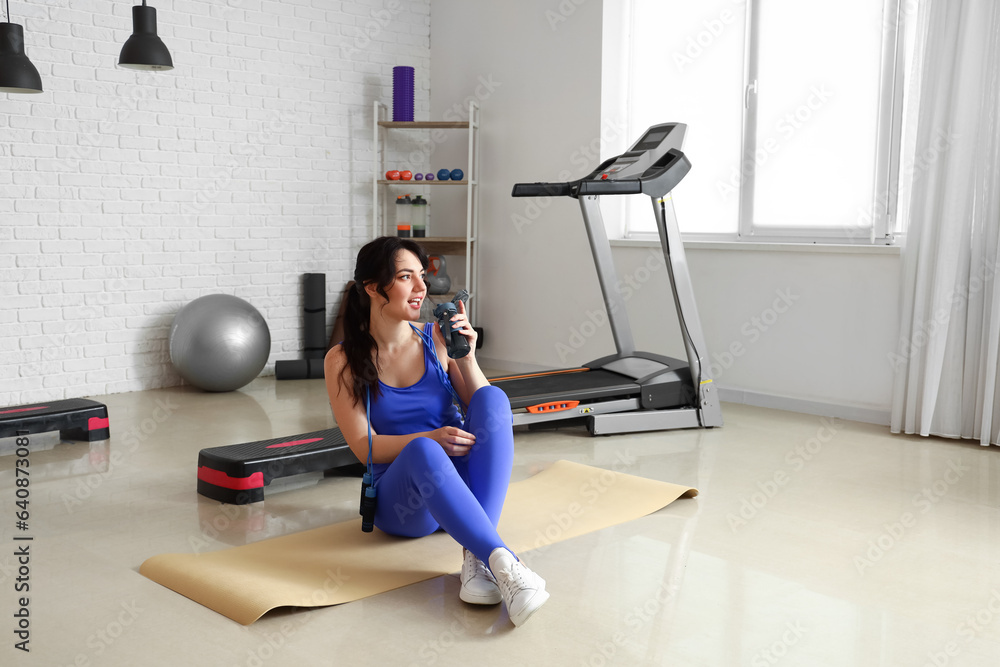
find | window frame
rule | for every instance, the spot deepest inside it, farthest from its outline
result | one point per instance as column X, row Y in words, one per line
column 882, row 228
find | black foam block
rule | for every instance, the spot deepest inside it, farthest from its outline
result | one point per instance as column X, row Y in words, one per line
column 314, row 315
column 299, row 369
column 314, row 291
column 314, row 334
column 291, row 369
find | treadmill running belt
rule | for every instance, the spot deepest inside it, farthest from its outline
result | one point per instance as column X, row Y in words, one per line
column 581, row 386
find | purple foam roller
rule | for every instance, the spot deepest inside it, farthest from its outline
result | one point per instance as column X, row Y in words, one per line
column 402, row 93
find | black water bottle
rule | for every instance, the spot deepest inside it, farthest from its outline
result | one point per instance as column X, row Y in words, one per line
column 457, row 344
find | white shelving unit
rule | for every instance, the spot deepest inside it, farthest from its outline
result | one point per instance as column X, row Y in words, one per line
column 384, row 194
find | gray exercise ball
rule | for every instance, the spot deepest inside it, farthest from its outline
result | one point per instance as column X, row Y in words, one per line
column 219, row 342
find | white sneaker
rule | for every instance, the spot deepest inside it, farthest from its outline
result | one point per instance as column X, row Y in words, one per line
column 523, row 591
column 478, row 584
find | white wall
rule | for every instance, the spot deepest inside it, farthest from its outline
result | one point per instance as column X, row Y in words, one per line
column 801, row 330
column 537, row 115
column 125, row 195
column 539, row 298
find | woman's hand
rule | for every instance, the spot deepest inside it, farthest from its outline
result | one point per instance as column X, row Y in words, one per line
column 453, row 440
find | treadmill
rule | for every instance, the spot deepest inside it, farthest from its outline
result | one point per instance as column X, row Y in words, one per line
column 629, row 391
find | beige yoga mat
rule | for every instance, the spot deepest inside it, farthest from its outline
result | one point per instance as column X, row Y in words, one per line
column 339, row 563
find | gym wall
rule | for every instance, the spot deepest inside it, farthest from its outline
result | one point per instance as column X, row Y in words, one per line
column 540, row 303
column 541, row 111
column 124, row 195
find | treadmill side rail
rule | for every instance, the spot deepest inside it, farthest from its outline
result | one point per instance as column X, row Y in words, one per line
column 601, row 407
column 644, row 420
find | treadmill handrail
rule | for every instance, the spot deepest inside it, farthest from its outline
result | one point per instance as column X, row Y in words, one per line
column 543, row 189
column 656, row 181
column 567, row 189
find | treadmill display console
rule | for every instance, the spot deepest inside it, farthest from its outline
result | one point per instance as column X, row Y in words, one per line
column 651, row 140
column 620, row 163
column 643, row 153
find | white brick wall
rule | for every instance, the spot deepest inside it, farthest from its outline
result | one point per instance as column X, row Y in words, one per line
column 124, row 195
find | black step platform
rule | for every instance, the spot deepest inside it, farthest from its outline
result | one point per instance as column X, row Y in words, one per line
column 237, row 474
column 74, row 418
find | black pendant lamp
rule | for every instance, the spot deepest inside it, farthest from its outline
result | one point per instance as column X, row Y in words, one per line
column 17, row 74
column 144, row 50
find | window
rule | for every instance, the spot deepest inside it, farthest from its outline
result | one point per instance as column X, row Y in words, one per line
column 792, row 108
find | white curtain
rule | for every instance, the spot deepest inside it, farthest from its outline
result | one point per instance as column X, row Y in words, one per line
column 946, row 364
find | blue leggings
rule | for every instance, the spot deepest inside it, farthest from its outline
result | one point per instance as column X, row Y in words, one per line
column 424, row 489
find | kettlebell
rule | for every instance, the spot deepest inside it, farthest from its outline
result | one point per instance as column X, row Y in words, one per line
column 437, row 279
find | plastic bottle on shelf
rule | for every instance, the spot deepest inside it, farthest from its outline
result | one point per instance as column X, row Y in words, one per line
column 419, row 217
column 404, row 220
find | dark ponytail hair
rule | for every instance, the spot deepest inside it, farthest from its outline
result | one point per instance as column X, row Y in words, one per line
column 376, row 265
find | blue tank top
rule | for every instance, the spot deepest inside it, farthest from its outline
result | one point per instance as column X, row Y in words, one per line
column 424, row 406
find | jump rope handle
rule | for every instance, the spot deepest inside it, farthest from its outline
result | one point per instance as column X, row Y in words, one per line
column 367, row 505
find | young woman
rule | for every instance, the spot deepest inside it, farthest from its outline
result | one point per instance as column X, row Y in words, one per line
column 432, row 468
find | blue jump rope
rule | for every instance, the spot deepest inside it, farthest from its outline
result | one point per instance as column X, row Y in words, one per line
column 443, row 313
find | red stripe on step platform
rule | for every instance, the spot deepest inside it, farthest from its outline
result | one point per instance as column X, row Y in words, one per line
column 10, row 412
column 293, row 443
column 96, row 422
column 219, row 478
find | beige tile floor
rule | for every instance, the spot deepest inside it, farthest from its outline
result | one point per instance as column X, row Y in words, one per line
column 812, row 543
